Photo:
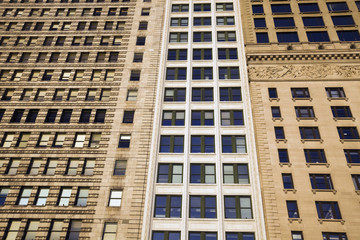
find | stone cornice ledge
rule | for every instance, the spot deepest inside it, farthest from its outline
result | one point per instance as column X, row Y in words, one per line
column 302, row 57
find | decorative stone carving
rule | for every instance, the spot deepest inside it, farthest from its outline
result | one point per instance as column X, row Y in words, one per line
column 315, row 71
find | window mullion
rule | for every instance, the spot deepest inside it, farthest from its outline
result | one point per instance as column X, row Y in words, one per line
column 202, row 117
column 172, row 143
column 202, row 208
column 236, row 173
column 167, row 209
column 170, row 173
column 202, row 173
column 238, row 207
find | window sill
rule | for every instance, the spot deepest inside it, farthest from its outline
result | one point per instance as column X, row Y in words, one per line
column 353, row 164
column 349, row 140
column 278, row 118
column 306, row 118
column 296, row 99
column 324, row 190
column 345, row 26
column 274, row 99
column 286, row 27
column 285, row 163
column 281, row 140
column 299, row 220
column 289, row 190
column 311, row 27
column 342, row 221
column 344, row 118
column 317, row 164
column 340, row 98
column 312, row 140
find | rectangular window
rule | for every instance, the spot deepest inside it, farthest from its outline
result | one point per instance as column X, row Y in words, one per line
column 238, row 207
column 176, row 74
column 177, row 54
column 202, row 21
column 232, row 117
column 304, row 112
column 74, row 229
column 283, row 155
column 34, row 166
column 59, row 139
column 50, row 166
column 202, row 54
column 300, row 93
column 171, row 144
column 202, row 144
column 280, row 8
column 286, row 37
column 337, row 92
column 180, row 8
column 85, row 116
column 51, row 116
column 23, row 140
column 170, row 173
column 64, row 196
column 156, row 235
column 88, row 167
column 12, row 229
column 179, row 37
column 275, row 112
column 348, row 132
column 334, row 236
column 233, row 144
column 337, row 7
column 287, row 22
column 72, row 166
column 202, row 118
column 105, row 94
column 7, row 139
column 279, row 133
column 321, row 181
column 318, row 36
column 227, row 53
column 229, row 73
column 4, row 191
column 287, row 181
column 110, row 229
column 224, row 7
column 227, row 36
column 202, row 7
column 202, row 73
column 202, row 173
column 309, row 8
column 41, row 196
column 202, row 94
column 100, row 116
column 328, row 210
column 352, row 155
column 8, row 93
column 341, row 112
column 260, row 22
column 24, row 195
column 309, row 133
column 91, row 94
column 55, row 229
column 66, row 116
column 257, row 9
column 73, row 93
column 17, row 115
column 313, row 21
column 124, row 141
column 202, row 37
column 355, row 178
column 167, row 206
column 202, row 207
column 79, row 140
column 292, row 208
column 236, row 173
column 343, row 21
column 240, row 236
column 115, row 198
column 13, row 166
column 315, row 155
column 174, row 94
column 119, row 168
column 173, row 118
column 94, row 141
column 82, row 196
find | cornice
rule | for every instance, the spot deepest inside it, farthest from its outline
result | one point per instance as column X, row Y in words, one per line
column 303, row 57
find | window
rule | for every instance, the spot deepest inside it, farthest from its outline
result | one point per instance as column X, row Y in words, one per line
column 259, row 22
column 202, row 118
column 34, row 166
column 309, row 8
column 283, row 155
column 238, row 207
column 202, row 54
column 180, row 8
column 23, row 140
column 50, row 166
column 176, row 74
column 352, row 155
column 172, row 144
column 41, row 196
column 170, row 173
column 17, row 115
column 60, row 41
column 177, row 22
column 131, row 95
column 25, row 57
column 225, row 21
column 51, row 116
column 138, row 57
column 321, row 181
column 123, row 11
column 304, row 112
column 227, row 53
column 285, row 37
column 110, row 229
column 287, row 181
column 275, row 112
column 93, row 26
column 38, row 26
column 72, row 95
column 119, row 168
column 145, row 12
column 79, row 140
column 173, row 118
column 358, row 4
column 352, row 35
column 143, row 25
column 13, row 166
column 24, row 195
column 66, row 116
column 355, row 178
column 240, row 236
column 91, row 94
column 85, row 116
column 64, row 196
column 228, row 73
column 236, row 173
column 59, row 94
column 202, row 173
column 82, row 196
column 315, row 156
column 178, row 37
column 124, row 141
column 343, row 21
column 165, row 235
column 309, row 133
column 74, row 229
column 54, row 57
column 272, row 93
column 202, row 37
column 224, row 7
column 84, row 57
column 232, row 117
column 280, row 8
column 202, row 73
column 321, row 36
column 336, row 92
column 328, row 210
column 233, row 144
column 174, row 94
column 8, row 93
column 12, row 229
column 205, row 7
column 202, row 144
column 88, row 167
column 2, row 112
column 334, row 236
column 59, row 139
column 135, row 75
column 257, row 9
column 313, row 21
column 202, row 21
column 7, row 139
column 292, row 208
column 47, row 75
column 4, row 191
column 202, row 94
column 337, row 7
column 94, row 141
column 167, row 206
column 115, row 198
column 72, row 166
column 128, row 116
column 296, row 235
column 100, row 116
column 348, row 133
column 55, row 229
column 284, row 22
column 279, row 133
column 341, row 111
column 227, row 36
column 16, row 75
column 202, row 235
column 202, row 207
column 140, row 41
